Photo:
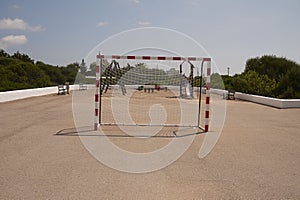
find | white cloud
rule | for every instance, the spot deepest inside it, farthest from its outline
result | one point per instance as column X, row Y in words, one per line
column 18, row 24
column 135, row 1
column 12, row 40
column 15, row 6
column 144, row 23
column 102, row 24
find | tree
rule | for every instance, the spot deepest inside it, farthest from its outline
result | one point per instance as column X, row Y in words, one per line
column 253, row 83
column 289, row 85
column 227, row 80
column 22, row 57
column 19, row 72
column 272, row 66
column 4, row 54
column 70, row 72
column 216, row 81
column 93, row 67
column 285, row 73
column 197, row 81
column 73, row 66
column 54, row 73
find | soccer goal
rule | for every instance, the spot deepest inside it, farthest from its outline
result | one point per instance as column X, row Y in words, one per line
column 152, row 91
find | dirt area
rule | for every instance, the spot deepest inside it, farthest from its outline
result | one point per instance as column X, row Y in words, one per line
column 256, row 157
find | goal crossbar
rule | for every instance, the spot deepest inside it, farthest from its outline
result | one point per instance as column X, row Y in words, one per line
column 177, row 58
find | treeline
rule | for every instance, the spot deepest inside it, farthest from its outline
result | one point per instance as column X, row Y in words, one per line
column 267, row 76
column 19, row 71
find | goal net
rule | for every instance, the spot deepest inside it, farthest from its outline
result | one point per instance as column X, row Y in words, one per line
column 152, row 91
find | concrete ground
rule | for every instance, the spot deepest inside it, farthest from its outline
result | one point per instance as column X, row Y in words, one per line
column 256, row 157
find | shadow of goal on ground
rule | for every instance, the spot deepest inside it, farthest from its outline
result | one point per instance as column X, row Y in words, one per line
column 115, row 131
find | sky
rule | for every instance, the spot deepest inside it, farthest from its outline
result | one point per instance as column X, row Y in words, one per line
column 65, row 31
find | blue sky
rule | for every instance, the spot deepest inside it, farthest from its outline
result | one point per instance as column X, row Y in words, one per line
column 62, row 32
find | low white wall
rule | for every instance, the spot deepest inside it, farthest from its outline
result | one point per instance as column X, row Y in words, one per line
column 277, row 103
column 218, row 91
column 22, row 94
column 291, row 103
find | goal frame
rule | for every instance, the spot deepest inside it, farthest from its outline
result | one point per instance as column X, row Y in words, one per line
column 208, row 60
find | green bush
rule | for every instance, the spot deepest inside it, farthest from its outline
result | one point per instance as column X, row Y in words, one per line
column 20, row 72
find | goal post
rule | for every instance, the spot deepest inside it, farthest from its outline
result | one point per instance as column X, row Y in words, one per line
column 145, row 96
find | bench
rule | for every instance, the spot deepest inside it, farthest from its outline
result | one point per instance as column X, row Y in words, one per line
column 61, row 90
column 148, row 88
column 230, row 95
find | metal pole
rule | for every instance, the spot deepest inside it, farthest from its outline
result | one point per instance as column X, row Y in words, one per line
column 191, row 78
column 200, row 95
column 100, row 83
column 180, row 87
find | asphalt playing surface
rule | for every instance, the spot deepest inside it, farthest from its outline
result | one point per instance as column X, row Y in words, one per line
column 256, row 157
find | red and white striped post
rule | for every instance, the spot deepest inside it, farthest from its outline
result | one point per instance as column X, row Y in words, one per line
column 97, row 94
column 207, row 99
